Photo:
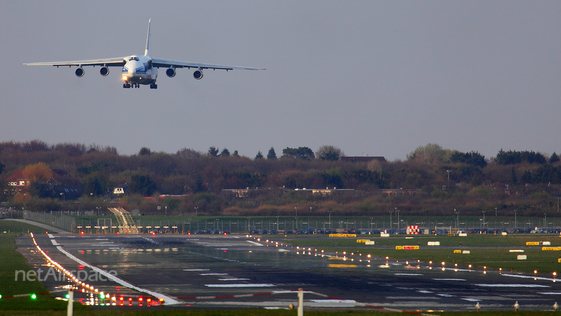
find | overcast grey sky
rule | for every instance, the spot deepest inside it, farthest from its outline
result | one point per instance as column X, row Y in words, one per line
column 370, row 77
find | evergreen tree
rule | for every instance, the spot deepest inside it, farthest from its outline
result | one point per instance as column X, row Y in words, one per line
column 213, row 151
column 328, row 152
column 513, row 178
column 300, row 152
column 142, row 185
column 527, row 177
column 554, row 158
column 259, row 155
column 225, row 153
column 272, row 154
column 144, row 151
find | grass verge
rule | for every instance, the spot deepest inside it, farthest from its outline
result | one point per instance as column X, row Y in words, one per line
column 12, row 261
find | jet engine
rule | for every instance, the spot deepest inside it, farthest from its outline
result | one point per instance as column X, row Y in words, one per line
column 198, row 74
column 79, row 72
column 104, row 71
column 170, row 72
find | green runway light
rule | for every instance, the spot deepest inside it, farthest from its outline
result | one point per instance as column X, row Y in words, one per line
column 33, row 296
column 67, row 296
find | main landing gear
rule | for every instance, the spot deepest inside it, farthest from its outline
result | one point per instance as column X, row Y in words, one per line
column 153, row 86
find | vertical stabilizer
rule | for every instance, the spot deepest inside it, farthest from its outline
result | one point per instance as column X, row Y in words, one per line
column 147, row 51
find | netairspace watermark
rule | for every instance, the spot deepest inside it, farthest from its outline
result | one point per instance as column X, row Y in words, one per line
column 52, row 274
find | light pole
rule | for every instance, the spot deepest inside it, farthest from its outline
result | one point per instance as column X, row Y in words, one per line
column 391, row 224
column 515, row 220
column 196, row 210
column 457, row 218
column 296, row 218
column 483, row 219
column 545, row 220
column 329, row 211
column 448, row 175
column 397, row 211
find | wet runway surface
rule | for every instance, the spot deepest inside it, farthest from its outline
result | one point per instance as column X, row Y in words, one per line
column 204, row 271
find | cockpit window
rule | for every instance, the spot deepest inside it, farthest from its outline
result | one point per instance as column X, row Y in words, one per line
column 133, row 58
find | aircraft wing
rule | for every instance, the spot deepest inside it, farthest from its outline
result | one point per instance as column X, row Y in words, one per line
column 167, row 63
column 109, row 62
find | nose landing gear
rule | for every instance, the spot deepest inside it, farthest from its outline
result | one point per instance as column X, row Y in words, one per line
column 131, row 85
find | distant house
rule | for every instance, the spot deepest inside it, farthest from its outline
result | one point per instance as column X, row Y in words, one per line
column 362, row 158
column 16, row 183
column 120, row 190
column 62, row 184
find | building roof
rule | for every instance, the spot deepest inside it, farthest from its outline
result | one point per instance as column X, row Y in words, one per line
column 16, row 175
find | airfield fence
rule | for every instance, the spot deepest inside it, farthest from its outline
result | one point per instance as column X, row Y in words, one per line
column 282, row 223
column 57, row 220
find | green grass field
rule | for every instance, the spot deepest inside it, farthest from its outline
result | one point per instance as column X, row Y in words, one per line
column 491, row 251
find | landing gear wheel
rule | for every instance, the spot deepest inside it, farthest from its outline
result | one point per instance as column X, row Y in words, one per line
column 153, row 86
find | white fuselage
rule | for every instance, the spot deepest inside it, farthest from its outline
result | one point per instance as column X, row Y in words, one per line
column 139, row 69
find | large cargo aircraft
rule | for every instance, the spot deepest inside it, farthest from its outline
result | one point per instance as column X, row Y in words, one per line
column 137, row 70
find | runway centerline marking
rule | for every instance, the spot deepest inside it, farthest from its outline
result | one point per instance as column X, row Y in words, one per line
column 241, row 285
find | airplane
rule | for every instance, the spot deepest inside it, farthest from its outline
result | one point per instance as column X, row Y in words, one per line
column 137, row 70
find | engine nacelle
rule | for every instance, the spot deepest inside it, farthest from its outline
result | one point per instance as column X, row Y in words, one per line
column 104, row 71
column 170, row 72
column 79, row 72
column 198, row 74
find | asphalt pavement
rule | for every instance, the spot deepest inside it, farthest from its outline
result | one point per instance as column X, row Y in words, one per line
column 215, row 271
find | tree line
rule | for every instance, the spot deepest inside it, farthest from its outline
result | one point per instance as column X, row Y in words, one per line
column 431, row 179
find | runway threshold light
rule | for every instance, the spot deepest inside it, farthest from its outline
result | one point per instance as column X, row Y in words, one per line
column 33, row 296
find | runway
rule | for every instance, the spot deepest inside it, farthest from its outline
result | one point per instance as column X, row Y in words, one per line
column 210, row 271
